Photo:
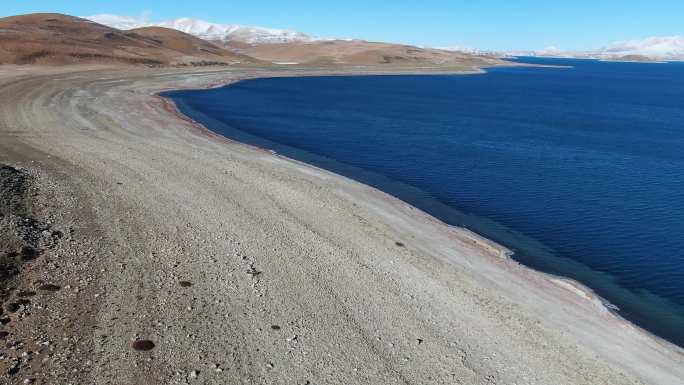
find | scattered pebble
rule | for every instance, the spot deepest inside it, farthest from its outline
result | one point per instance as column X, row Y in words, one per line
column 143, row 345
column 28, row 253
column 49, row 287
column 14, row 369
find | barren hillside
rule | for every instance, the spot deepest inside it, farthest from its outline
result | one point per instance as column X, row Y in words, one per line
column 55, row 39
column 355, row 52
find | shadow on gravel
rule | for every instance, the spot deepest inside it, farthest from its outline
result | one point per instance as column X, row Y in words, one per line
column 14, row 213
column 23, row 239
column 22, row 236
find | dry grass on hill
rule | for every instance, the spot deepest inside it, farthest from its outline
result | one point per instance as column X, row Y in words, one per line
column 54, row 39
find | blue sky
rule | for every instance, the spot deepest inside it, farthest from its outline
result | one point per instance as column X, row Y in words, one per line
column 494, row 24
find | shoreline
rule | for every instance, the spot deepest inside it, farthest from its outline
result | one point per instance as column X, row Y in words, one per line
column 576, row 287
column 458, row 300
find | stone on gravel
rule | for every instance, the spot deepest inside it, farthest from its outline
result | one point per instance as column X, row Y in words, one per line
column 143, row 345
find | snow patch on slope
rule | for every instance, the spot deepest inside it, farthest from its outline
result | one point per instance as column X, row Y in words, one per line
column 665, row 47
column 205, row 30
column 654, row 48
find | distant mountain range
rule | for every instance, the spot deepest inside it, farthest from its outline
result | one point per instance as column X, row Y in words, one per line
column 224, row 33
column 56, row 39
column 286, row 47
column 649, row 49
column 246, row 37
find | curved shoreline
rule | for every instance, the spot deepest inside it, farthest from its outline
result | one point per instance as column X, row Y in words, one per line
column 322, row 256
column 573, row 285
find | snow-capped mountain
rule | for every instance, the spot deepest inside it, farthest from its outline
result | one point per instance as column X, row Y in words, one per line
column 468, row 50
column 666, row 47
column 652, row 48
column 206, row 30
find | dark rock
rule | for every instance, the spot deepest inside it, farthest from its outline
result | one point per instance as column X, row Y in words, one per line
column 400, row 244
column 26, row 293
column 275, row 327
column 12, row 307
column 143, row 345
column 49, row 287
column 185, row 283
column 28, row 253
column 8, row 271
column 14, row 369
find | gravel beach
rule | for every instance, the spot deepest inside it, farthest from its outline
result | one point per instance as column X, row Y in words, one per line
column 166, row 254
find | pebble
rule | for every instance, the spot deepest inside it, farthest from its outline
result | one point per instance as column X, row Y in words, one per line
column 26, row 293
column 143, row 345
column 49, row 287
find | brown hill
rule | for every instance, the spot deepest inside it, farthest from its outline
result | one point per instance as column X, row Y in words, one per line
column 637, row 58
column 179, row 41
column 55, row 39
column 355, row 52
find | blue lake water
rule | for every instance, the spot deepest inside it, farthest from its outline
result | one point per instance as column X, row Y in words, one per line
column 579, row 170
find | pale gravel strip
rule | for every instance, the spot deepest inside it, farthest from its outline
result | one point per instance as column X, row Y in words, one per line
column 176, row 203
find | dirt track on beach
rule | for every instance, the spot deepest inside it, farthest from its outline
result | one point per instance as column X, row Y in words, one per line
column 243, row 267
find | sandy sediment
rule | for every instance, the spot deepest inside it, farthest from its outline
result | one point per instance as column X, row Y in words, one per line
column 242, row 266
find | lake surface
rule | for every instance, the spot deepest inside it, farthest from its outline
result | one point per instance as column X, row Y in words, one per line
column 579, row 170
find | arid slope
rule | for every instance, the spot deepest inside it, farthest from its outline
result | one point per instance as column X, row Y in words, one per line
column 56, row 39
column 356, row 52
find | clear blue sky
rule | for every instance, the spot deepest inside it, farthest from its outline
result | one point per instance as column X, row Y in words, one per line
column 493, row 24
